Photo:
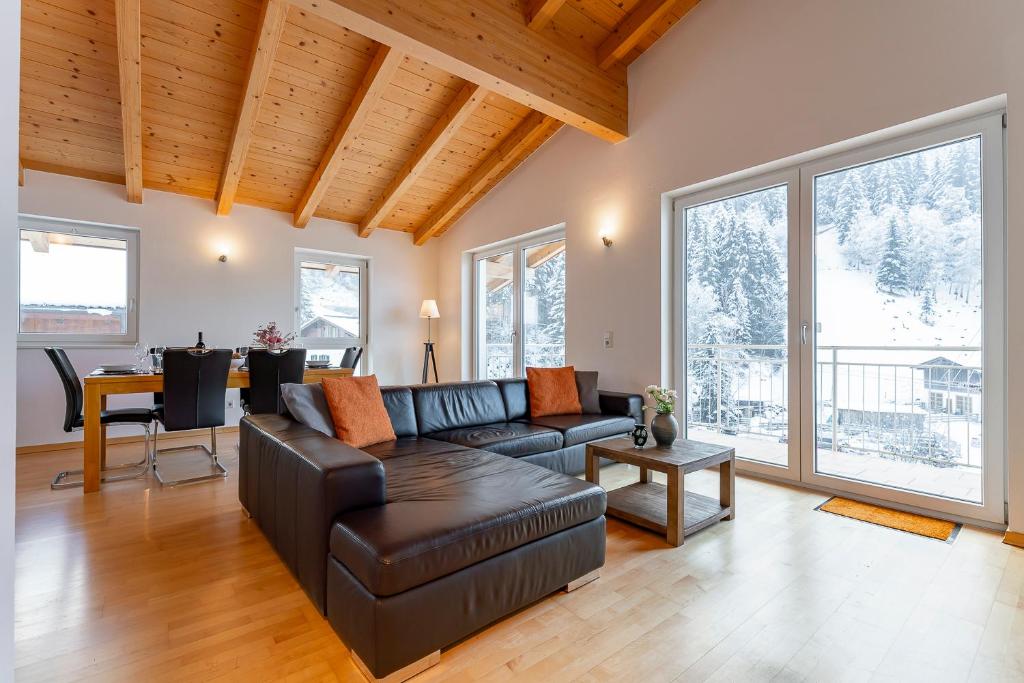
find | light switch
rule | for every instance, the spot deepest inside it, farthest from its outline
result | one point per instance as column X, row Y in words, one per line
column 608, row 340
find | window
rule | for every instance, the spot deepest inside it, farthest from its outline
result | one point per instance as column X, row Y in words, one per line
column 330, row 309
column 519, row 304
column 836, row 318
column 78, row 283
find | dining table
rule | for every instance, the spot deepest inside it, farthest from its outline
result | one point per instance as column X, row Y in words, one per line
column 99, row 385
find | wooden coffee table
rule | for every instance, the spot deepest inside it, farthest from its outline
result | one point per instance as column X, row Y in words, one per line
column 671, row 510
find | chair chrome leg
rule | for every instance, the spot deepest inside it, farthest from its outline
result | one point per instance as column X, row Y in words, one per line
column 61, row 480
column 219, row 473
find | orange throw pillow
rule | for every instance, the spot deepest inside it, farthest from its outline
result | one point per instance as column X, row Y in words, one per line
column 357, row 410
column 553, row 391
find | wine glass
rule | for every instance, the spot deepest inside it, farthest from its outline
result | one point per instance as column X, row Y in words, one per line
column 158, row 357
column 141, row 353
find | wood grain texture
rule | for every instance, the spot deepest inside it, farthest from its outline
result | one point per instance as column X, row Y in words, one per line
column 151, row 584
column 488, row 43
column 539, row 13
column 627, row 34
column 129, row 58
column 533, row 127
column 465, row 104
column 238, row 101
column 268, row 36
column 377, row 78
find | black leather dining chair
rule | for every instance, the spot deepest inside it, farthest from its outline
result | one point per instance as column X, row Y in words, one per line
column 268, row 370
column 350, row 359
column 195, row 385
column 74, row 421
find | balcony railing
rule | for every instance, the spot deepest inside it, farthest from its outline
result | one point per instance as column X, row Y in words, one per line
column 926, row 411
column 499, row 359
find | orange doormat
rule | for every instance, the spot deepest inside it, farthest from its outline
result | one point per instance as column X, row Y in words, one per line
column 894, row 519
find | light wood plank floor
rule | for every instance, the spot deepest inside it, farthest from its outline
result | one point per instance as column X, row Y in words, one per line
column 140, row 583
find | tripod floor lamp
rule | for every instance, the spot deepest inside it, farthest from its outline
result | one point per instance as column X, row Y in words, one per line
column 429, row 311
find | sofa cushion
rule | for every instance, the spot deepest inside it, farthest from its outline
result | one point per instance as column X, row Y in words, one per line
column 447, row 511
column 553, row 391
column 578, row 429
column 357, row 408
column 516, row 397
column 586, row 386
column 417, row 446
column 308, row 405
column 398, row 402
column 457, row 404
column 508, row 438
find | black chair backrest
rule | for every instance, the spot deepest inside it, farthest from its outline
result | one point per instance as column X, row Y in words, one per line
column 72, row 387
column 268, row 370
column 351, row 358
column 195, row 385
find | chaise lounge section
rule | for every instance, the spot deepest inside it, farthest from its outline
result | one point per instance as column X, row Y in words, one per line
column 410, row 545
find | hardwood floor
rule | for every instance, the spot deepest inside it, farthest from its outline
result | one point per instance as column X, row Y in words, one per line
column 141, row 583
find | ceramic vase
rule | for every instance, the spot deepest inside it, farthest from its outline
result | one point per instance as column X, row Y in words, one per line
column 664, row 428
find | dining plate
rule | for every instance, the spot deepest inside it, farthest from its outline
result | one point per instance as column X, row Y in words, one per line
column 117, row 367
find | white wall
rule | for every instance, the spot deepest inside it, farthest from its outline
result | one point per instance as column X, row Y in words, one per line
column 184, row 288
column 10, row 25
column 734, row 85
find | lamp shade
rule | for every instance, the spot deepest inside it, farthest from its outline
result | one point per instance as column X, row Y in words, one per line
column 429, row 309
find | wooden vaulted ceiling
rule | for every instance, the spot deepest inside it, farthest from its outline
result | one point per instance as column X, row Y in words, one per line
column 395, row 114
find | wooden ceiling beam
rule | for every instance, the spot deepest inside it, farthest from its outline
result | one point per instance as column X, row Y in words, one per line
column 466, row 102
column 633, row 27
column 382, row 68
column 128, row 14
column 268, row 36
column 488, row 43
column 540, row 12
column 534, row 127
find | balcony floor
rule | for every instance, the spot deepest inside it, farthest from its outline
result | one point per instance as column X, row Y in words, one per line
column 959, row 482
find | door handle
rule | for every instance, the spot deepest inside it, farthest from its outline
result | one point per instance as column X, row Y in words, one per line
column 803, row 333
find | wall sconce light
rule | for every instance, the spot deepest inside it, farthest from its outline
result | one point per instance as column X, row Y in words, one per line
column 607, row 240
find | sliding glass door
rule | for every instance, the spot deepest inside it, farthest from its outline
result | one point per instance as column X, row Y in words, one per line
column 519, row 307
column 737, row 242
column 843, row 320
column 904, row 360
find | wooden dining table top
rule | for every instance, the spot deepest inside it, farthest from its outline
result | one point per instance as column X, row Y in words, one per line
column 144, row 382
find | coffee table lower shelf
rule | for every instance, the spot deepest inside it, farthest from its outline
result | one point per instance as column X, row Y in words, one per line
column 646, row 505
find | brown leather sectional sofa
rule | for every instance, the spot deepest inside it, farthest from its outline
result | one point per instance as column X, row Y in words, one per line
column 409, row 545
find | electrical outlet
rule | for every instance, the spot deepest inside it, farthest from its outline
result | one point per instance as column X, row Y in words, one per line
column 608, row 339
column 231, row 403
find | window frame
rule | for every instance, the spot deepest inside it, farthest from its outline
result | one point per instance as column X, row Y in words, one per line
column 333, row 259
column 132, row 237
column 518, row 246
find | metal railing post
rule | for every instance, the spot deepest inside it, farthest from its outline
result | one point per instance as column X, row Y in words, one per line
column 718, row 392
column 835, row 402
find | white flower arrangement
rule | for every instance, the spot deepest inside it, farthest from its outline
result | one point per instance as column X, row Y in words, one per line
column 663, row 397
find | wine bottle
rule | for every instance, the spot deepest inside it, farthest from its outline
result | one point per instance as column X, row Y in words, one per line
column 200, row 344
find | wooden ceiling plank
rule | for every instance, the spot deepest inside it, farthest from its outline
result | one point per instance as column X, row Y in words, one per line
column 268, row 35
column 540, row 12
column 533, row 126
column 383, row 66
column 462, row 107
column 631, row 30
column 488, row 43
column 129, row 57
